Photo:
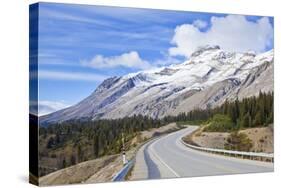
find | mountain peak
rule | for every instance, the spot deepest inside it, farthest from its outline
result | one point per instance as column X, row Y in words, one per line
column 202, row 49
column 107, row 83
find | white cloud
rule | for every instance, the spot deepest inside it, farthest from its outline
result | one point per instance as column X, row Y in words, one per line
column 200, row 24
column 46, row 107
column 231, row 33
column 166, row 60
column 57, row 75
column 130, row 60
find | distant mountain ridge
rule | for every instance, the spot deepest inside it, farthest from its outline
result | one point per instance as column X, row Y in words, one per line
column 207, row 79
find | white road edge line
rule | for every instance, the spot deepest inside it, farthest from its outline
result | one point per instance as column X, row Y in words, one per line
column 165, row 164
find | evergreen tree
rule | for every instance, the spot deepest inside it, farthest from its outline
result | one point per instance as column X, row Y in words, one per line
column 246, row 121
column 50, row 143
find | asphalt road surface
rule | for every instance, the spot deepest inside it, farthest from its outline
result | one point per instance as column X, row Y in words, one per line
column 167, row 157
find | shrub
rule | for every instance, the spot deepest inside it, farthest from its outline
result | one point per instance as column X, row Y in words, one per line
column 238, row 142
column 220, row 123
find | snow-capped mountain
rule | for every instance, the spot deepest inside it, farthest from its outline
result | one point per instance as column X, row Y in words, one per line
column 208, row 78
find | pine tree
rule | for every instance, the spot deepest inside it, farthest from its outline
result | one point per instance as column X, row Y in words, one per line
column 257, row 119
column 246, row 121
column 51, row 143
column 64, row 165
column 73, row 160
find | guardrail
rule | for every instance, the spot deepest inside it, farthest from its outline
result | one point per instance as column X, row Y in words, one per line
column 120, row 176
column 243, row 154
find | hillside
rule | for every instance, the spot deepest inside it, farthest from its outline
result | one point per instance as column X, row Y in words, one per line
column 261, row 139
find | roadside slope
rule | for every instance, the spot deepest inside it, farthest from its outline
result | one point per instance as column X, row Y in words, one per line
column 260, row 137
column 77, row 173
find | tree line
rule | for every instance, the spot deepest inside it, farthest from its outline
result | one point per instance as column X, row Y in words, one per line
column 249, row 112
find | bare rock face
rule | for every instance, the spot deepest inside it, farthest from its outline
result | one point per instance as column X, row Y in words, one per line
column 202, row 49
column 207, row 79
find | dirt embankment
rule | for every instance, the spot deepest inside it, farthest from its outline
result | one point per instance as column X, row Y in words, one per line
column 107, row 173
column 104, row 168
column 145, row 135
column 261, row 138
column 77, row 173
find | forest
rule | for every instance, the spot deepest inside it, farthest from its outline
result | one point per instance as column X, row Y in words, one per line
column 75, row 141
column 255, row 111
column 71, row 142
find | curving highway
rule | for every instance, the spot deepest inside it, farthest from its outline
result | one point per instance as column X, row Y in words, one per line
column 167, row 157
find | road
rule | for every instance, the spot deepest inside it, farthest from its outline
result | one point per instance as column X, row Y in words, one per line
column 167, row 157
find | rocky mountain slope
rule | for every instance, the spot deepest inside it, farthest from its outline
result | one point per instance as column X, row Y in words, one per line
column 207, row 79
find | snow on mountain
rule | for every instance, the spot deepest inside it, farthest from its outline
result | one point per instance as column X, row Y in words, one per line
column 209, row 77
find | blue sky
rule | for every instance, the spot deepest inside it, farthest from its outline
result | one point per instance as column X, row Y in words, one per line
column 80, row 45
